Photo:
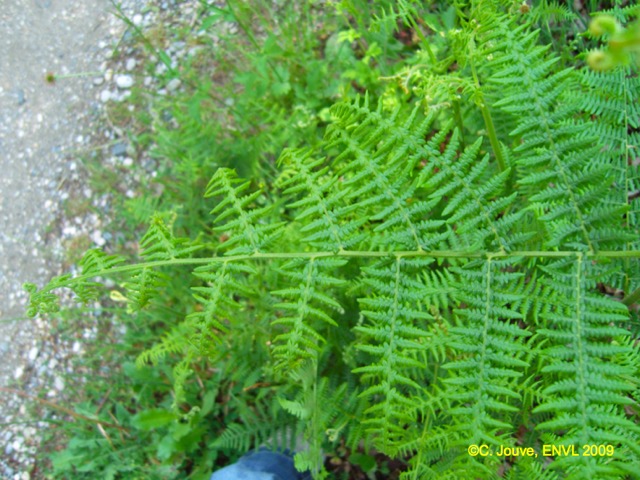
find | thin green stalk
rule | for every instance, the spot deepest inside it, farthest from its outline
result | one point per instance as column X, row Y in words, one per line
column 488, row 121
column 346, row 254
column 459, row 123
column 633, row 297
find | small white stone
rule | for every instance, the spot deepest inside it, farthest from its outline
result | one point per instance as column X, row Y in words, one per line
column 124, row 81
column 96, row 237
column 17, row 444
column 98, row 81
column 174, row 84
column 76, row 347
column 131, row 64
column 58, row 384
column 108, row 74
column 105, row 96
column 137, row 19
column 127, row 162
column 69, row 231
column 33, row 353
column 18, row 373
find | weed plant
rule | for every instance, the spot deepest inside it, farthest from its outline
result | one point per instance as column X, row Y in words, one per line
column 398, row 230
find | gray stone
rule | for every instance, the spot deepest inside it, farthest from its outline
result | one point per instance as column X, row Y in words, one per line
column 174, row 84
column 119, row 150
column 20, row 97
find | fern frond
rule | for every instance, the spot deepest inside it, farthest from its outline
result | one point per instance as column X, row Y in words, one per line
column 589, row 387
column 529, row 468
column 42, row 300
column 439, row 290
column 251, row 233
column 307, row 301
column 96, row 262
column 143, row 287
column 379, row 154
column 383, row 152
column 555, row 161
column 394, row 337
column 159, row 243
column 483, row 378
column 93, row 263
column 175, row 341
column 330, row 223
column 474, row 203
column 612, row 101
column 218, row 300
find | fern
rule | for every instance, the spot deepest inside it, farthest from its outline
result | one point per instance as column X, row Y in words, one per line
column 588, row 392
column 419, row 282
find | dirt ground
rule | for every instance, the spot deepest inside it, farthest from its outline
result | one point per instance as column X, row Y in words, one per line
column 43, row 129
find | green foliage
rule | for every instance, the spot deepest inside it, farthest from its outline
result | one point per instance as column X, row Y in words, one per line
column 430, row 275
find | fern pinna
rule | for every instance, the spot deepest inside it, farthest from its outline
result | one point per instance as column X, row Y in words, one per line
column 412, row 292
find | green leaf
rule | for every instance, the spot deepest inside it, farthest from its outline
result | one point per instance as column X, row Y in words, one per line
column 152, row 419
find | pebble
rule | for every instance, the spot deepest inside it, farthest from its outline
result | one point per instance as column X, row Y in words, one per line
column 33, row 353
column 98, row 81
column 119, row 150
column 105, row 96
column 21, row 98
column 124, row 81
column 131, row 64
column 174, row 84
column 96, row 237
column 58, row 384
column 137, row 19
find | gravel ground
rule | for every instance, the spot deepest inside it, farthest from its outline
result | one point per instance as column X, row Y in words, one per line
column 44, row 130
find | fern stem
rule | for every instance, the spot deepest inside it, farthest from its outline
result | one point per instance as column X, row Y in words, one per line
column 488, row 121
column 633, row 297
column 459, row 123
column 346, row 254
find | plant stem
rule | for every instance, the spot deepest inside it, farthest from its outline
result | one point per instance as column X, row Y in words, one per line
column 66, row 410
column 633, row 297
column 345, row 254
column 488, row 121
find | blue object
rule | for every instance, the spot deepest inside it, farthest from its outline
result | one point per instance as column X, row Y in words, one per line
column 262, row 464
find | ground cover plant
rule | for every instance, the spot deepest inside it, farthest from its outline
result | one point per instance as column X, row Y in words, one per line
column 423, row 259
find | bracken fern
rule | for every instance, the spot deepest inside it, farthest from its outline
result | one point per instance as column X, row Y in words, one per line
column 422, row 292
